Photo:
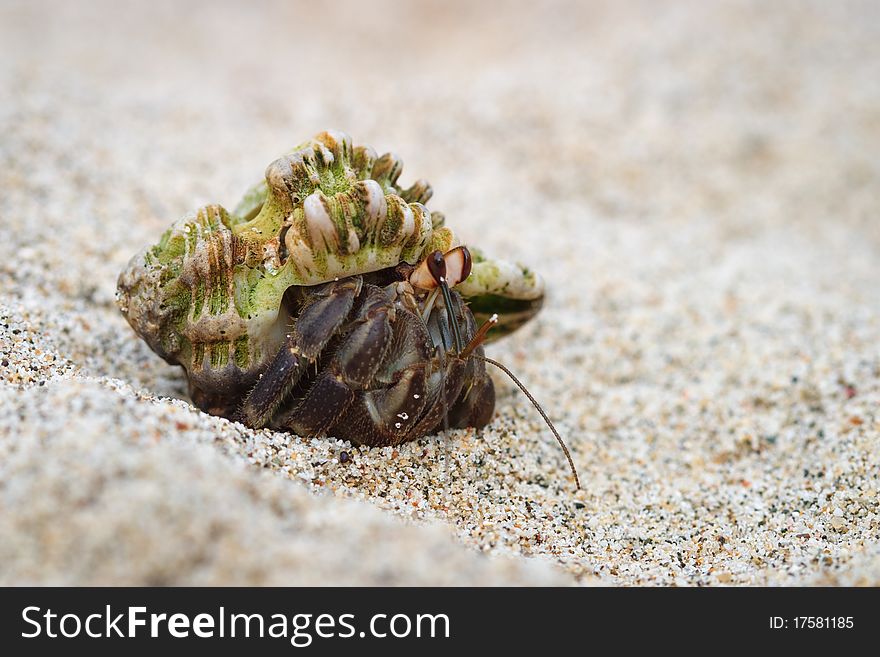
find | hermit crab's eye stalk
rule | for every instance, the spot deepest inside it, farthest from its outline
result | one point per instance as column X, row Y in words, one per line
column 458, row 266
column 454, row 266
column 445, row 271
column 450, row 315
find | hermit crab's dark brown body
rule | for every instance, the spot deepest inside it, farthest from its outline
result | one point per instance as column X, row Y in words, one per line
column 361, row 364
column 329, row 302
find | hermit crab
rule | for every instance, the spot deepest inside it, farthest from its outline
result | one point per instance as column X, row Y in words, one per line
column 330, row 301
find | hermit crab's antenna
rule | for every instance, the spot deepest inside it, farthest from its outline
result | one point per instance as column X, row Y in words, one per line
column 444, row 271
column 478, row 339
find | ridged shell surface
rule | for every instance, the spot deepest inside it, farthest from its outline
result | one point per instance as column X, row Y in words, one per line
column 209, row 294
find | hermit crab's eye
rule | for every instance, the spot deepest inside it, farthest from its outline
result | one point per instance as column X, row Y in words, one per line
column 453, row 267
column 436, row 266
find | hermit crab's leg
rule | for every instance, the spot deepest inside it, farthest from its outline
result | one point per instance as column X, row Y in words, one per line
column 352, row 367
column 324, row 311
column 325, row 401
column 475, row 405
column 387, row 415
column 389, row 412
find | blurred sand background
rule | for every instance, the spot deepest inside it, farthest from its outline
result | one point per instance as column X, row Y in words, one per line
column 699, row 183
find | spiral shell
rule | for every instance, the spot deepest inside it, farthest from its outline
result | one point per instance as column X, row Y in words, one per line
column 209, row 295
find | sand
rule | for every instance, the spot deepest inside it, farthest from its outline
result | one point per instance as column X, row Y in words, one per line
column 697, row 183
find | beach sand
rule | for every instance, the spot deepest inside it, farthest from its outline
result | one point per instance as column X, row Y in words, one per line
column 698, row 183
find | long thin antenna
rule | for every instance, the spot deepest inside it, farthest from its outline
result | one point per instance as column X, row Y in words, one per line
column 480, row 336
column 535, row 403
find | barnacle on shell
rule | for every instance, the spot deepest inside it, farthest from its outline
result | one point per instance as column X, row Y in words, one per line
column 209, row 295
